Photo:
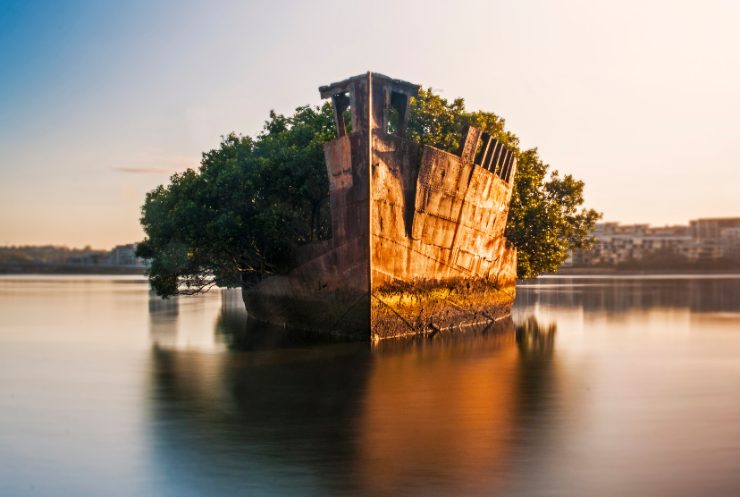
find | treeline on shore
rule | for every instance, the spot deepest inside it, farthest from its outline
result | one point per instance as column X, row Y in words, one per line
column 49, row 254
column 55, row 259
column 32, row 268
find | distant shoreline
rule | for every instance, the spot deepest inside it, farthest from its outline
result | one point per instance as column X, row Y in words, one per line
column 608, row 271
column 61, row 269
column 6, row 269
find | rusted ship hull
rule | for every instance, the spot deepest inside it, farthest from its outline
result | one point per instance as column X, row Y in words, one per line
column 417, row 233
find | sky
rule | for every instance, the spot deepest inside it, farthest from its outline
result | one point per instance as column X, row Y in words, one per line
column 101, row 101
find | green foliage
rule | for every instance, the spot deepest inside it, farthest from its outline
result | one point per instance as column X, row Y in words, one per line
column 546, row 217
column 238, row 218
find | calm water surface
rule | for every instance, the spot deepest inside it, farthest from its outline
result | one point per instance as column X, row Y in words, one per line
column 599, row 387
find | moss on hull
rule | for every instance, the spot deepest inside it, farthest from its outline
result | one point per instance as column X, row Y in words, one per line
column 418, row 241
column 427, row 306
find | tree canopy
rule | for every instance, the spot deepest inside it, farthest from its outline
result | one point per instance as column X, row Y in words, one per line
column 238, row 217
column 546, row 217
column 252, row 201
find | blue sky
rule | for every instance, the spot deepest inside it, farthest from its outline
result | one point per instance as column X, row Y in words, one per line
column 101, row 101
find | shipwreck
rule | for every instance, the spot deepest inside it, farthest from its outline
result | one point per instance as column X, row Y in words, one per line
column 417, row 241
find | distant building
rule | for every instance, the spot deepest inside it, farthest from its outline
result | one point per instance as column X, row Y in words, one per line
column 715, row 238
column 617, row 243
column 731, row 243
column 125, row 255
column 703, row 240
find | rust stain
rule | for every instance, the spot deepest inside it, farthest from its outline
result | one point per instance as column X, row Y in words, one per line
column 418, row 240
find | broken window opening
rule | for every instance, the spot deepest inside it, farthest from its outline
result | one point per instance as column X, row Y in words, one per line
column 397, row 113
column 342, row 113
column 502, row 168
column 489, row 161
column 485, row 142
column 498, row 159
column 348, row 120
column 394, row 121
column 509, row 168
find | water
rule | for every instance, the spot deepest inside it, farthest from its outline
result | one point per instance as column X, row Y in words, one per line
column 619, row 386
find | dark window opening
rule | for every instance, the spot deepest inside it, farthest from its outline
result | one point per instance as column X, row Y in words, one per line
column 397, row 113
column 342, row 113
column 494, row 152
column 485, row 142
column 348, row 120
column 509, row 168
column 500, row 161
column 394, row 121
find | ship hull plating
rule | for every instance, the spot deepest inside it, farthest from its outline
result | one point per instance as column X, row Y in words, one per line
column 417, row 241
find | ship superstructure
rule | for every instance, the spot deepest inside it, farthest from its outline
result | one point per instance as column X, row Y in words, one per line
column 417, row 233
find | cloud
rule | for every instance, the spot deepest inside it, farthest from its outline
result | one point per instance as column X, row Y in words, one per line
column 145, row 163
column 145, row 170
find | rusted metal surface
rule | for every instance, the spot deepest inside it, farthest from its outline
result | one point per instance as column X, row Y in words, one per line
column 418, row 240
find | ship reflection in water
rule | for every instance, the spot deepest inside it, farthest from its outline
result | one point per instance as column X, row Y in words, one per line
column 628, row 395
column 607, row 387
column 400, row 418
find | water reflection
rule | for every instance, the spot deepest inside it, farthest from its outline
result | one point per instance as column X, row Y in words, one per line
column 111, row 391
column 405, row 417
column 620, row 294
column 186, row 323
column 163, row 315
column 505, row 410
column 239, row 333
